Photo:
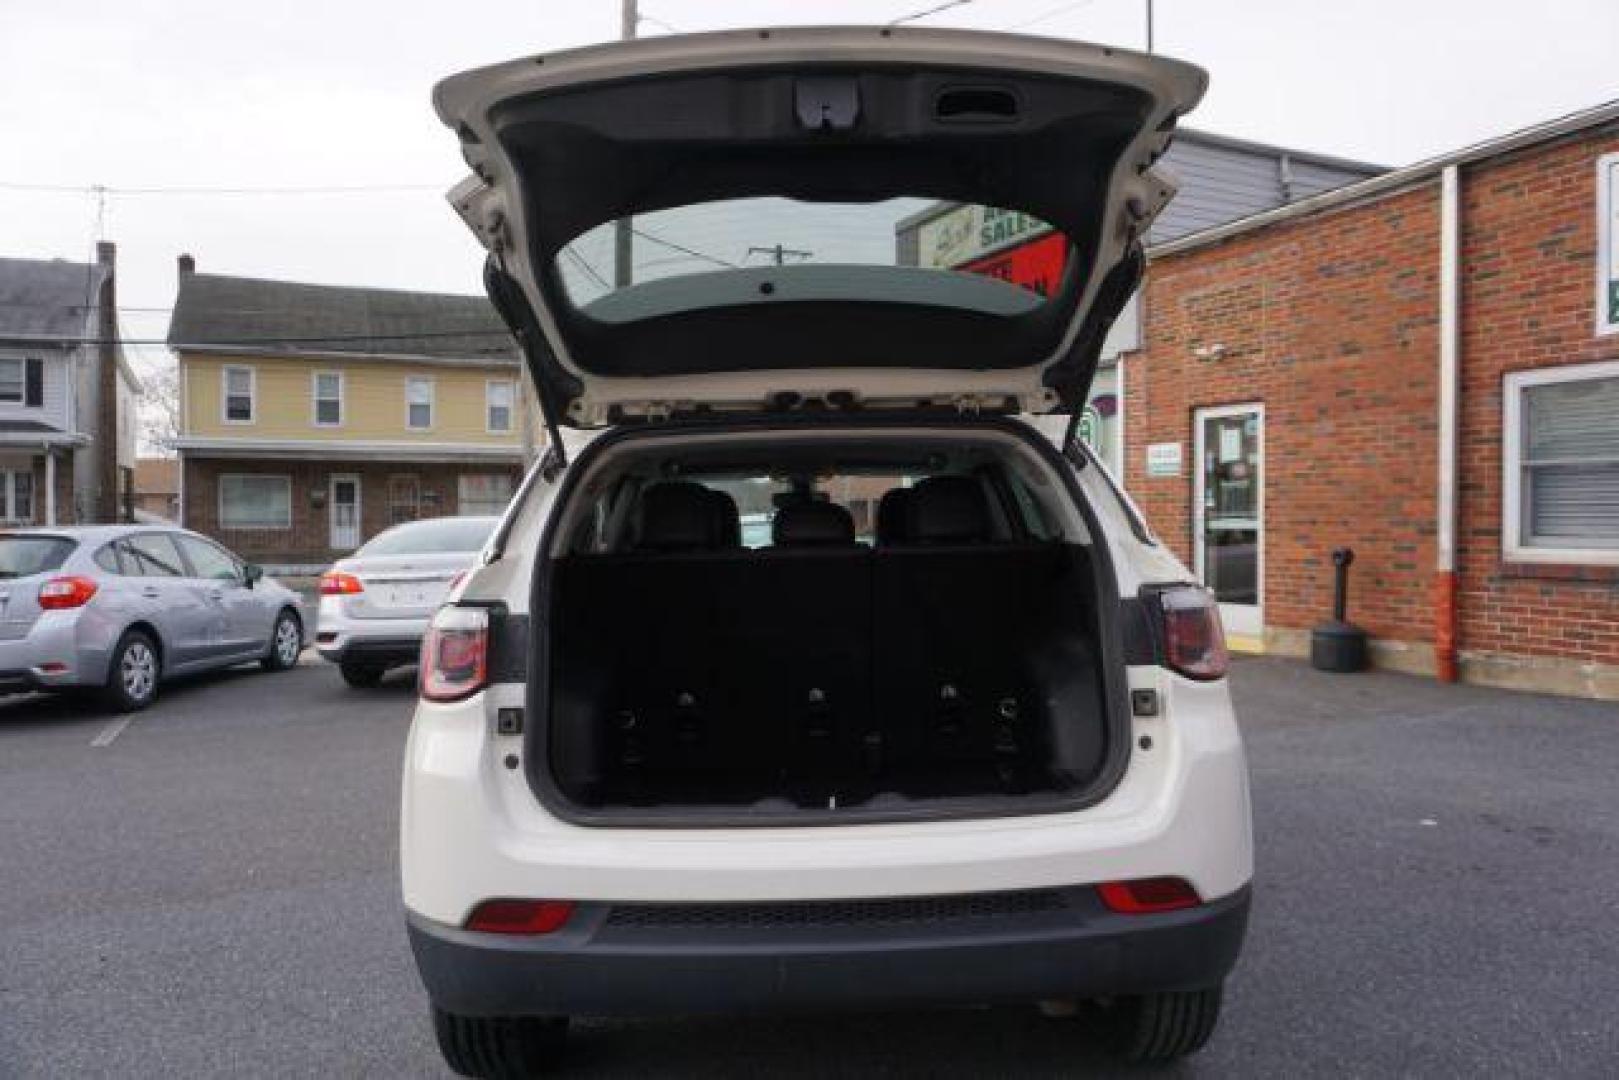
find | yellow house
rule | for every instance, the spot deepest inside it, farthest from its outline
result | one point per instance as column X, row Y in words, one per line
column 314, row 416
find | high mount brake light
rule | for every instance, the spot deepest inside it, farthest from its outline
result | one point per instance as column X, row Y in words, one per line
column 455, row 653
column 1145, row 896
column 338, row 583
column 1194, row 641
column 62, row 593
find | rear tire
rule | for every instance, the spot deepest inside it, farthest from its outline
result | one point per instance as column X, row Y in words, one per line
column 133, row 674
column 286, row 642
column 1162, row 1027
column 500, row 1046
column 362, row 676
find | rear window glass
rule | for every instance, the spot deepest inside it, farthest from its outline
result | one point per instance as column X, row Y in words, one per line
column 438, row 537
column 760, row 233
column 25, row 556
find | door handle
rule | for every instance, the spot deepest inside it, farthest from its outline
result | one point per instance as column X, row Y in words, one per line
column 150, row 592
column 216, row 594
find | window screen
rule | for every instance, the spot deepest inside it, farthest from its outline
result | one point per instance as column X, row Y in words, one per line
column 1570, row 481
column 239, row 394
column 328, row 399
column 255, row 502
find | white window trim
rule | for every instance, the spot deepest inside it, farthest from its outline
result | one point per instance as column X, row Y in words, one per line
column 254, row 476
column 8, row 497
column 1512, row 547
column 22, row 395
column 1606, row 184
column 489, row 406
column 314, row 399
column 432, row 402
column 252, row 394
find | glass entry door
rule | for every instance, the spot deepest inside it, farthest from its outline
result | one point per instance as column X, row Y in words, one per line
column 345, row 497
column 1229, row 507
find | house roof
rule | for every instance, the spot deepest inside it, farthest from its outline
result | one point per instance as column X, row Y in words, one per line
column 1397, row 179
column 284, row 317
column 157, row 476
column 47, row 298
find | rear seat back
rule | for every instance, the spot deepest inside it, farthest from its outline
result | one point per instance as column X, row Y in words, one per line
column 953, row 631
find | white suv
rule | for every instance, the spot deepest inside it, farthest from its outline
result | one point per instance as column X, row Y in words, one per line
column 959, row 731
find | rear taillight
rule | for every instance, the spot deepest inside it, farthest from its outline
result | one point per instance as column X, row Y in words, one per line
column 1145, row 896
column 61, row 593
column 520, row 916
column 455, row 653
column 1194, row 643
column 337, row 583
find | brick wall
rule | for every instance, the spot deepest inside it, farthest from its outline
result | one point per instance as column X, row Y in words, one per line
column 1529, row 238
column 308, row 540
column 1332, row 323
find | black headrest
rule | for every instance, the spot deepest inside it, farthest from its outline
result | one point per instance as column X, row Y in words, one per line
column 812, row 524
column 891, row 516
column 679, row 516
column 947, row 510
column 727, row 520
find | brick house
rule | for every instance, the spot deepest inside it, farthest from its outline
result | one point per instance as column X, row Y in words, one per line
column 1417, row 367
column 67, row 395
column 313, row 416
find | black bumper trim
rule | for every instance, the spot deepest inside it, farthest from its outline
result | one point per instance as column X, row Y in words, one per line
column 596, row 966
column 378, row 651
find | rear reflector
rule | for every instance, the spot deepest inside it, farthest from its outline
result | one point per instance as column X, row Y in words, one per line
column 520, row 916
column 61, row 593
column 337, row 583
column 1147, row 895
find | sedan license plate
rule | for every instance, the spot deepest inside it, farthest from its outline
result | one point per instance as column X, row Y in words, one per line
column 408, row 596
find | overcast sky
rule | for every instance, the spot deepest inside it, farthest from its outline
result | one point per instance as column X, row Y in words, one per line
column 199, row 93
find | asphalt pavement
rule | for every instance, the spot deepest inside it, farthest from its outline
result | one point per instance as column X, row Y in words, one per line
column 211, row 890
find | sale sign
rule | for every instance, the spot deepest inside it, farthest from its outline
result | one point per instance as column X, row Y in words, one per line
column 1036, row 265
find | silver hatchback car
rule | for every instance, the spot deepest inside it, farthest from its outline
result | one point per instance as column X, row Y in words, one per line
column 120, row 608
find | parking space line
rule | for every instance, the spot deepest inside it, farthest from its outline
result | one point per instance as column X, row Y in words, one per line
column 113, row 729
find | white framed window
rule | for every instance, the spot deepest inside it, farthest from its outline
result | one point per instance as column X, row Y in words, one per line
column 498, row 398
column 239, row 395
column 327, row 392
column 255, row 501
column 484, row 493
column 419, row 403
column 17, row 496
column 1560, row 458
column 11, row 379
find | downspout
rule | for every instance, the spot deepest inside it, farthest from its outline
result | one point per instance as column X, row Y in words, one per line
column 1449, row 408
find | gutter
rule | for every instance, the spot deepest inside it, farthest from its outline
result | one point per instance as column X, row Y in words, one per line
column 1450, row 299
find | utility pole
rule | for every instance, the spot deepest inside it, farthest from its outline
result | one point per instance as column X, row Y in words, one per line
column 623, row 228
column 779, row 254
column 1149, row 26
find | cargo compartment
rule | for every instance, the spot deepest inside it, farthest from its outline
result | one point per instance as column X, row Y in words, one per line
column 956, row 672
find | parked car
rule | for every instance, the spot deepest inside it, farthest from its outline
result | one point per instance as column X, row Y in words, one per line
column 374, row 604
column 988, row 756
column 121, row 608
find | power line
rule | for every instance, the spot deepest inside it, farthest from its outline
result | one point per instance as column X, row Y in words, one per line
column 245, row 341
column 670, row 244
column 934, row 10
column 1052, row 14
column 330, row 189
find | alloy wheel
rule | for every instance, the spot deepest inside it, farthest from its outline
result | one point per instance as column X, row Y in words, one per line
column 138, row 669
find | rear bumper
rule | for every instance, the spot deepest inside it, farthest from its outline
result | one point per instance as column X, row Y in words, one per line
column 341, row 638
column 640, row 960
column 61, row 649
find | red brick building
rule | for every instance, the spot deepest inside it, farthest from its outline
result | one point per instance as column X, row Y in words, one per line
column 1418, row 367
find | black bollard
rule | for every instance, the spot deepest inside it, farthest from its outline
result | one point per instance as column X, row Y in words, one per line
column 1339, row 645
